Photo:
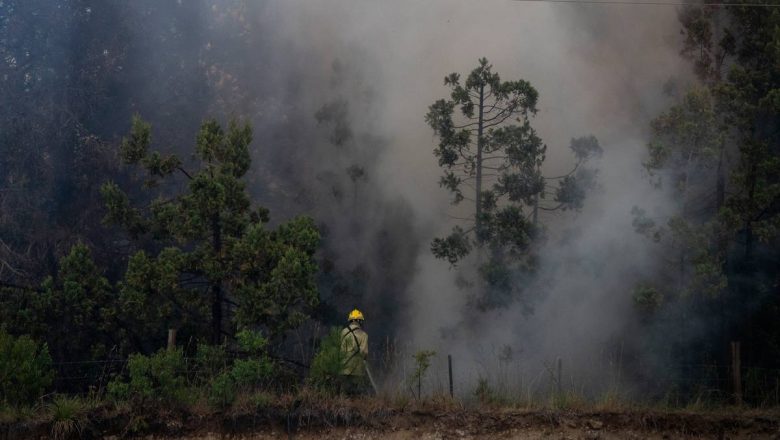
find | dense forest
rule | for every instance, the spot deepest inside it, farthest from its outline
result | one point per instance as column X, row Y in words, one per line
column 154, row 177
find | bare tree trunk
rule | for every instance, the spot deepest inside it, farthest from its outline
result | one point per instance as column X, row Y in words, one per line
column 478, row 221
column 536, row 200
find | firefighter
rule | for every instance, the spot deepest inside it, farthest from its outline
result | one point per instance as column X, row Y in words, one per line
column 354, row 351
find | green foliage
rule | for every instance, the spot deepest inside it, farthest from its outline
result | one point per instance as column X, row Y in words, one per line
column 487, row 147
column 211, row 236
column 251, row 341
column 452, row 248
column 74, row 313
column 225, row 380
column 161, row 377
column 643, row 224
column 687, row 152
column 69, row 416
column 488, row 108
column 647, row 299
column 82, row 300
column 246, row 375
column 686, row 137
column 222, row 391
column 134, row 147
column 715, row 151
column 25, row 369
column 250, row 372
column 491, row 156
column 151, row 296
column 211, row 360
column 327, row 364
column 422, row 361
column 118, row 390
column 485, row 393
column 260, row 400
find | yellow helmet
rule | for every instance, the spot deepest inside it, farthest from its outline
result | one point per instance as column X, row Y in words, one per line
column 356, row 315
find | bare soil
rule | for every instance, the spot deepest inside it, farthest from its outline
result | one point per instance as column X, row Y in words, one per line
column 363, row 420
column 526, row 425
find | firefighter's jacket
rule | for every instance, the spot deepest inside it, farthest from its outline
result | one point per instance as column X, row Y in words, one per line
column 354, row 350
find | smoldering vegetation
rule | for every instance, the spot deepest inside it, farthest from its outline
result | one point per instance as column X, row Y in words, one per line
column 336, row 93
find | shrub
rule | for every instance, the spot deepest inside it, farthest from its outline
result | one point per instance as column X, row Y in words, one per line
column 69, row 416
column 211, row 361
column 484, row 392
column 250, row 372
column 422, row 361
column 118, row 390
column 327, row 363
column 223, row 391
column 244, row 374
column 25, row 369
column 160, row 377
column 251, row 341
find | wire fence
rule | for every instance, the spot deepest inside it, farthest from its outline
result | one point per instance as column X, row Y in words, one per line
column 497, row 374
column 502, row 377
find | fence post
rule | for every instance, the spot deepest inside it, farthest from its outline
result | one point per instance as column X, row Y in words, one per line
column 449, row 365
column 171, row 339
column 735, row 371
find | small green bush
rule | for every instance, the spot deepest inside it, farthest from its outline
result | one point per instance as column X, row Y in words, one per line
column 223, row 391
column 485, row 393
column 251, row 372
column 326, row 366
column 160, row 377
column 422, row 361
column 69, row 416
column 261, row 400
column 211, row 361
column 118, row 390
column 251, row 341
column 25, row 369
column 248, row 374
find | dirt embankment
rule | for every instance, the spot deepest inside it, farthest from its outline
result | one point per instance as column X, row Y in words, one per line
column 351, row 420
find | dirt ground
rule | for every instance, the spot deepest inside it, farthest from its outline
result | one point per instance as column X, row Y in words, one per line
column 526, row 426
column 433, row 434
column 344, row 419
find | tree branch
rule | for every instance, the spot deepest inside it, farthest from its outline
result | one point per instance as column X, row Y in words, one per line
column 185, row 172
column 459, row 218
column 458, row 127
column 579, row 162
column 497, row 122
column 560, row 205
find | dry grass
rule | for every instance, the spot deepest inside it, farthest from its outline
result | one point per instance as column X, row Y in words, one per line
column 68, row 416
column 308, row 411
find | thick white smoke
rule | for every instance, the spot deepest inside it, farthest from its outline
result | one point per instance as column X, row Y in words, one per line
column 599, row 69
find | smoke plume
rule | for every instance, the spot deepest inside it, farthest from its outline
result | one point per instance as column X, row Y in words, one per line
column 337, row 92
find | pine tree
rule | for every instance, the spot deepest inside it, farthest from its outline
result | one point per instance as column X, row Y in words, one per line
column 219, row 261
